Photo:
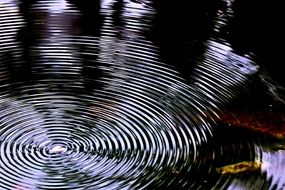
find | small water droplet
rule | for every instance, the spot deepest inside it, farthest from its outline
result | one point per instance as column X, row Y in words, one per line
column 58, row 149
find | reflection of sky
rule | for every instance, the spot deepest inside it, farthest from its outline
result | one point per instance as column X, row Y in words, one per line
column 58, row 6
column 53, row 6
column 273, row 163
column 6, row 1
column 221, row 72
column 10, row 22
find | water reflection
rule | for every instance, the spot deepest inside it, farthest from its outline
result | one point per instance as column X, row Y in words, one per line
column 118, row 106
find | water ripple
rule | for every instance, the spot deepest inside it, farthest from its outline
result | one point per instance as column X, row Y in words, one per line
column 103, row 110
column 138, row 123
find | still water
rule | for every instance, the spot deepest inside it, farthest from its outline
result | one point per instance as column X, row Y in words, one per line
column 140, row 95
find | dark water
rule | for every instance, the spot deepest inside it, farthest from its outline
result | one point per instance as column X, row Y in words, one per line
column 128, row 94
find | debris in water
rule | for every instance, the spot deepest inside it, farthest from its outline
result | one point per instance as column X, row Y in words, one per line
column 245, row 166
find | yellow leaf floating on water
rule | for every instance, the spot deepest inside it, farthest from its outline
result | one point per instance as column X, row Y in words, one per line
column 246, row 166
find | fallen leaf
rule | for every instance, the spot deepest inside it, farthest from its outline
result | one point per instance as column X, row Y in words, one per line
column 245, row 166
